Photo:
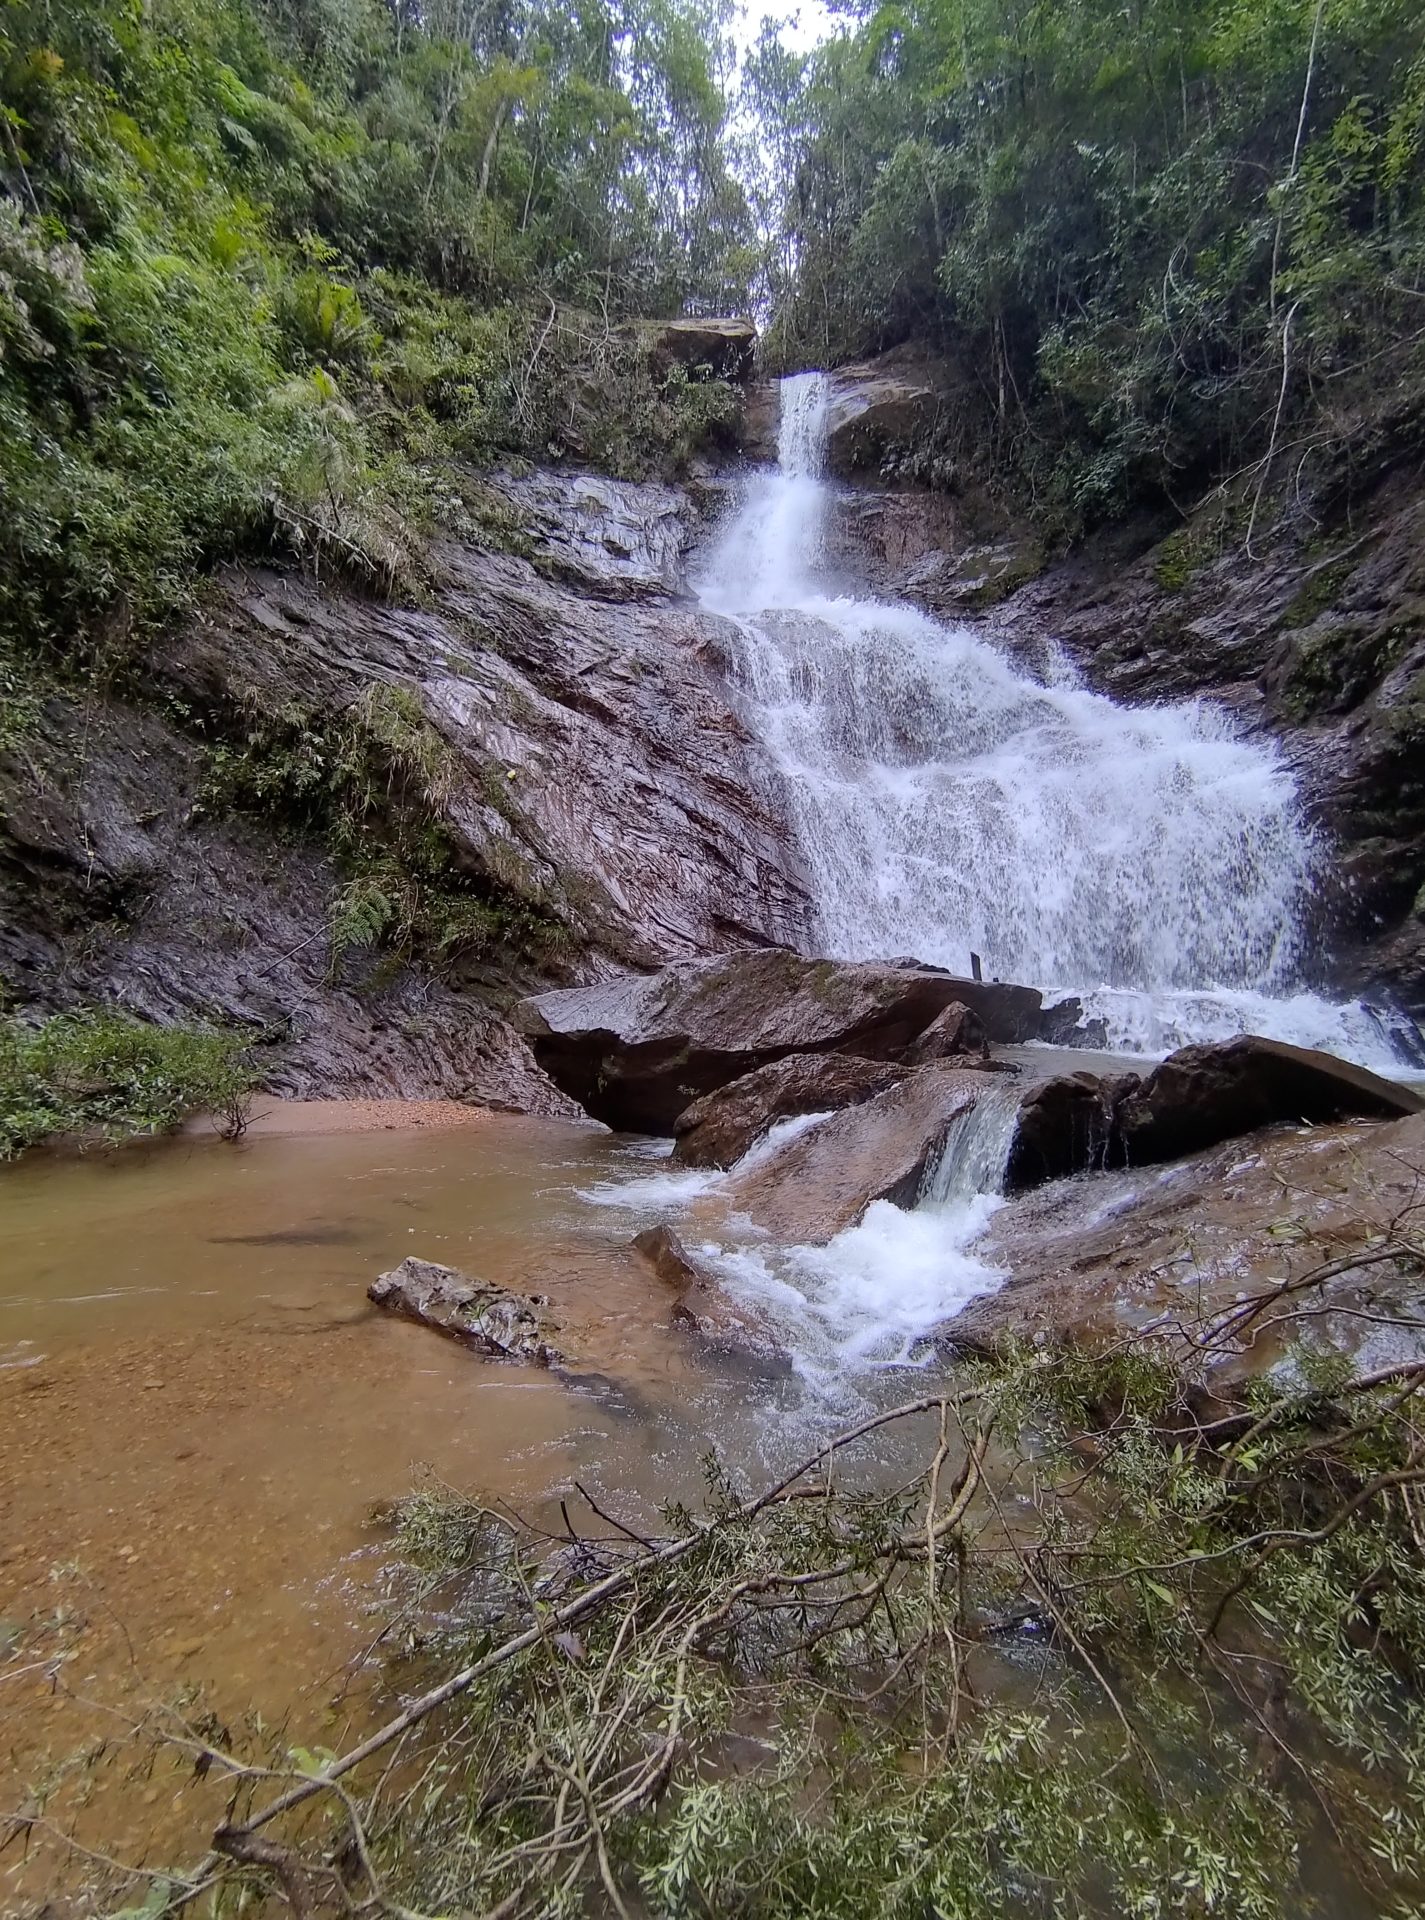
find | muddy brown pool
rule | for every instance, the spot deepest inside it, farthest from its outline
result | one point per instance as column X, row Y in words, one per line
column 199, row 1412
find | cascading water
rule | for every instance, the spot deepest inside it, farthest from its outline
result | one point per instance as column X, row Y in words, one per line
column 1148, row 859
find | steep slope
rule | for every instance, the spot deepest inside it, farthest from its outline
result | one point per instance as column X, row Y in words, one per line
column 355, row 828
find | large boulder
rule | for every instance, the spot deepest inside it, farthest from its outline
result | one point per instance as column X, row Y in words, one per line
column 725, row 347
column 489, row 1319
column 718, row 1129
column 822, row 1182
column 637, row 1050
column 1198, row 1097
column 1201, row 1095
column 1066, row 1125
column 876, row 405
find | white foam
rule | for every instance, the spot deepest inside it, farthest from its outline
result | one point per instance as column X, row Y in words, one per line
column 1157, row 1023
column 678, row 1188
column 947, row 801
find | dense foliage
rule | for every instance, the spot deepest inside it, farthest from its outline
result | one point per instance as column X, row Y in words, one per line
column 1153, row 242
column 1052, row 1646
column 262, row 262
column 104, row 1074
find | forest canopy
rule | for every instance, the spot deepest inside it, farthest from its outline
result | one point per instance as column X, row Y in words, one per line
column 1144, row 235
column 266, row 265
column 261, row 260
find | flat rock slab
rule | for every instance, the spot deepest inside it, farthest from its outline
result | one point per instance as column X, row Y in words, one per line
column 637, row 1050
column 823, row 1182
column 1169, row 1251
column 488, row 1319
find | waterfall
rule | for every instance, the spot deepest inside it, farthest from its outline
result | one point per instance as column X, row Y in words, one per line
column 1150, row 859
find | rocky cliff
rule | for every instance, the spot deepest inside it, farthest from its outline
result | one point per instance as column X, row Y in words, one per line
column 1306, row 617
column 548, row 732
column 589, row 786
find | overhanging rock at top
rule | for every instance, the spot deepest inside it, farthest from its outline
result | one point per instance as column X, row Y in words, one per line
column 723, row 345
column 637, row 1050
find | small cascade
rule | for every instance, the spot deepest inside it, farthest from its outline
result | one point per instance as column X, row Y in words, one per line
column 975, row 1157
column 1150, row 860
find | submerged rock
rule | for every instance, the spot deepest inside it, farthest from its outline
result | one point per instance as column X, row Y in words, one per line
column 637, row 1050
column 702, row 1303
column 718, row 1129
column 490, row 1319
column 823, row 1182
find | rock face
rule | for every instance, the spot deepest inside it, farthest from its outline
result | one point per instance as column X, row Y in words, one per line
column 635, row 1052
column 725, row 346
column 718, row 1129
column 876, row 404
column 599, row 783
column 492, row 1321
column 603, row 537
column 1195, row 1099
column 823, row 1182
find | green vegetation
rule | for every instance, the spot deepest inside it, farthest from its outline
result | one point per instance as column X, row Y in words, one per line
column 1157, row 247
column 266, row 264
column 1049, row 1641
column 101, row 1073
column 369, row 783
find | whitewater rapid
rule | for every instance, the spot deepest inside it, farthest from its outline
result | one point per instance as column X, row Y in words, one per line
column 1149, row 860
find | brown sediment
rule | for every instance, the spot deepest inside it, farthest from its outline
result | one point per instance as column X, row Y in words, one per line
column 271, row 1114
column 199, row 1411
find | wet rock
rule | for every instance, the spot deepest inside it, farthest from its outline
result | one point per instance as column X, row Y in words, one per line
column 1064, row 1025
column 875, row 405
column 823, row 1182
column 1194, row 1099
column 759, row 420
column 1066, row 1125
column 957, row 1031
column 702, row 1302
column 718, row 1129
column 1318, row 639
column 598, row 789
column 1168, row 1253
column 1204, row 1094
column 613, row 538
column 489, row 1319
column 636, row 1051
column 726, row 347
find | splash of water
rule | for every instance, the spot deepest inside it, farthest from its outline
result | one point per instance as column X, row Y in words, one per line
column 1150, row 859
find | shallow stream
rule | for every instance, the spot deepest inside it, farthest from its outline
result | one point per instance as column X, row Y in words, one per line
column 199, row 1412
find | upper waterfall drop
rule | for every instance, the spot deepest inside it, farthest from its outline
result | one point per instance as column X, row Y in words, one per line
column 946, row 801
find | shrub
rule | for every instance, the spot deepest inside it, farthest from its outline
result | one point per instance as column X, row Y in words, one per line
column 103, row 1073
